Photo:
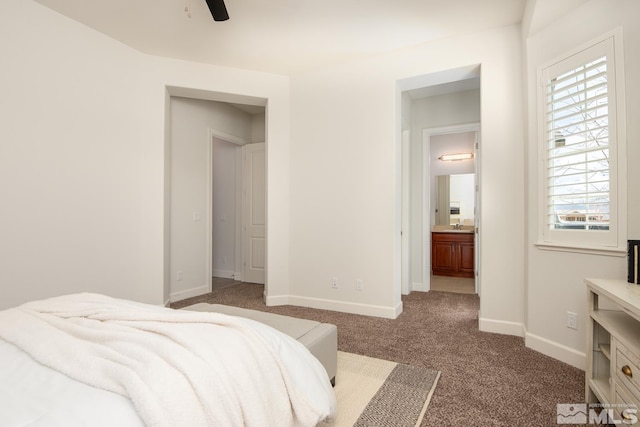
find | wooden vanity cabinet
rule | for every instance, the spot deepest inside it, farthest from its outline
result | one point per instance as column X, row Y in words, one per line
column 452, row 254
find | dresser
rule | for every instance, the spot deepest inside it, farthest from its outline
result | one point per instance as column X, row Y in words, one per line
column 612, row 375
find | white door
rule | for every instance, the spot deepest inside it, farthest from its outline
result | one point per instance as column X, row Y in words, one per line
column 254, row 213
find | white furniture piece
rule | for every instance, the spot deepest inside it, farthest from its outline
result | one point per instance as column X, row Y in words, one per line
column 612, row 375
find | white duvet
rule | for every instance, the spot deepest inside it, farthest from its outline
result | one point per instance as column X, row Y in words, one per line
column 88, row 359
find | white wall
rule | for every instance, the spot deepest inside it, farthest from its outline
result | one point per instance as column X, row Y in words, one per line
column 82, row 159
column 72, row 204
column 344, row 157
column 555, row 279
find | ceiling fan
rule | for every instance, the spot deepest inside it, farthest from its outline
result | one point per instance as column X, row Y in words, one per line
column 218, row 10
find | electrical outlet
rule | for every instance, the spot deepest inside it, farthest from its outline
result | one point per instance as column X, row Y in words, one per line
column 179, row 275
column 359, row 285
column 572, row 321
column 334, row 283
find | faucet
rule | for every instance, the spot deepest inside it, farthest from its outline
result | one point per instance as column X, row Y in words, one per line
column 457, row 226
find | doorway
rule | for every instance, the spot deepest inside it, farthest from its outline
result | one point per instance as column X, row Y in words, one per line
column 226, row 259
column 238, row 209
column 437, row 103
column 194, row 122
column 451, row 212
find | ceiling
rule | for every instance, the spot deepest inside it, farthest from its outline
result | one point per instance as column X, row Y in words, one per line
column 285, row 36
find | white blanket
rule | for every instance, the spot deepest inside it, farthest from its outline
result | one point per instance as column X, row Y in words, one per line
column 178, row 367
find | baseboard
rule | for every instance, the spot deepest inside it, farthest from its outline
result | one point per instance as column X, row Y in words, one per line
column 223, row 273
column 420, row 287
column 556, row 350
column 189, row 293
column 535, row 342
column 275, row 300
column 501, row 327
column 341, row 306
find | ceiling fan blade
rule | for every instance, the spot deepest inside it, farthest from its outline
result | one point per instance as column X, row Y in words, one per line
column 218, row 10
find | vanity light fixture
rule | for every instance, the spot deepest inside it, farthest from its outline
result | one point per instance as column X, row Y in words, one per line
column 454, row 157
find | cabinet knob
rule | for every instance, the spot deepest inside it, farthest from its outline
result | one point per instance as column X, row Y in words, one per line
column 627, row 371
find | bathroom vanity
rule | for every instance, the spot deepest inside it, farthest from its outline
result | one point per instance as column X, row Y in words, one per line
column 452, row 253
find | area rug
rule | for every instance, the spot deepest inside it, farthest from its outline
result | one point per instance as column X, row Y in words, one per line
column 376, row 392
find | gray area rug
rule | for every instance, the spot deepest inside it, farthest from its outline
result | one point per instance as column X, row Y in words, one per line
column 376, row 392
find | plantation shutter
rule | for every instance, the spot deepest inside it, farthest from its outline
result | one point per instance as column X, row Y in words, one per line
column 578, row 147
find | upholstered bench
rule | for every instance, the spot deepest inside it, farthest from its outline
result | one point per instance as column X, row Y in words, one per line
column 320, row 338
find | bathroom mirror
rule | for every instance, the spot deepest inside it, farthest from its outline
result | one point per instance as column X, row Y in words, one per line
column 455, row 199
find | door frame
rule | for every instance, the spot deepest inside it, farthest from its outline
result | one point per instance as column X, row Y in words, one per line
column 171, row 91
column 218, row 134
column 405, row 228
column 427, row 133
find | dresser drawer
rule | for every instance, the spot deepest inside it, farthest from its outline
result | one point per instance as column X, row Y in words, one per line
column 625, row 406
column 628, row 370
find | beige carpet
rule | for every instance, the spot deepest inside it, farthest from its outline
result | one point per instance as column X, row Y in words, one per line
column 378, row 392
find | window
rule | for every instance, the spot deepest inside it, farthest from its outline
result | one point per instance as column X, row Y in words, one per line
column 580, row 147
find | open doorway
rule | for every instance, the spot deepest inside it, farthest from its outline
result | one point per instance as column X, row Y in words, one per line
column 437, row 103
column 196, row 127
column 451, row 214
column 238, row 220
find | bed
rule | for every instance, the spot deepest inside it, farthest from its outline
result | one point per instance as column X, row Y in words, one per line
column 89, row 359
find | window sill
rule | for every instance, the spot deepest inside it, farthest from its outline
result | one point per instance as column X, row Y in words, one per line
column 592, row 250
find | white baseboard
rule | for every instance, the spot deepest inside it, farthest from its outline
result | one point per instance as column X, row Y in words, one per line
column 556, row 350
column 341, row 306
column 275, row 300
column 420, row 287
column 189, row 293
column 535, row 342
column 501, row 327
column 223, row 273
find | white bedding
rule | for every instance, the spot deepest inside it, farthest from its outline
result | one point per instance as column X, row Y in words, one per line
column 33, row 395
column 131, row 364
